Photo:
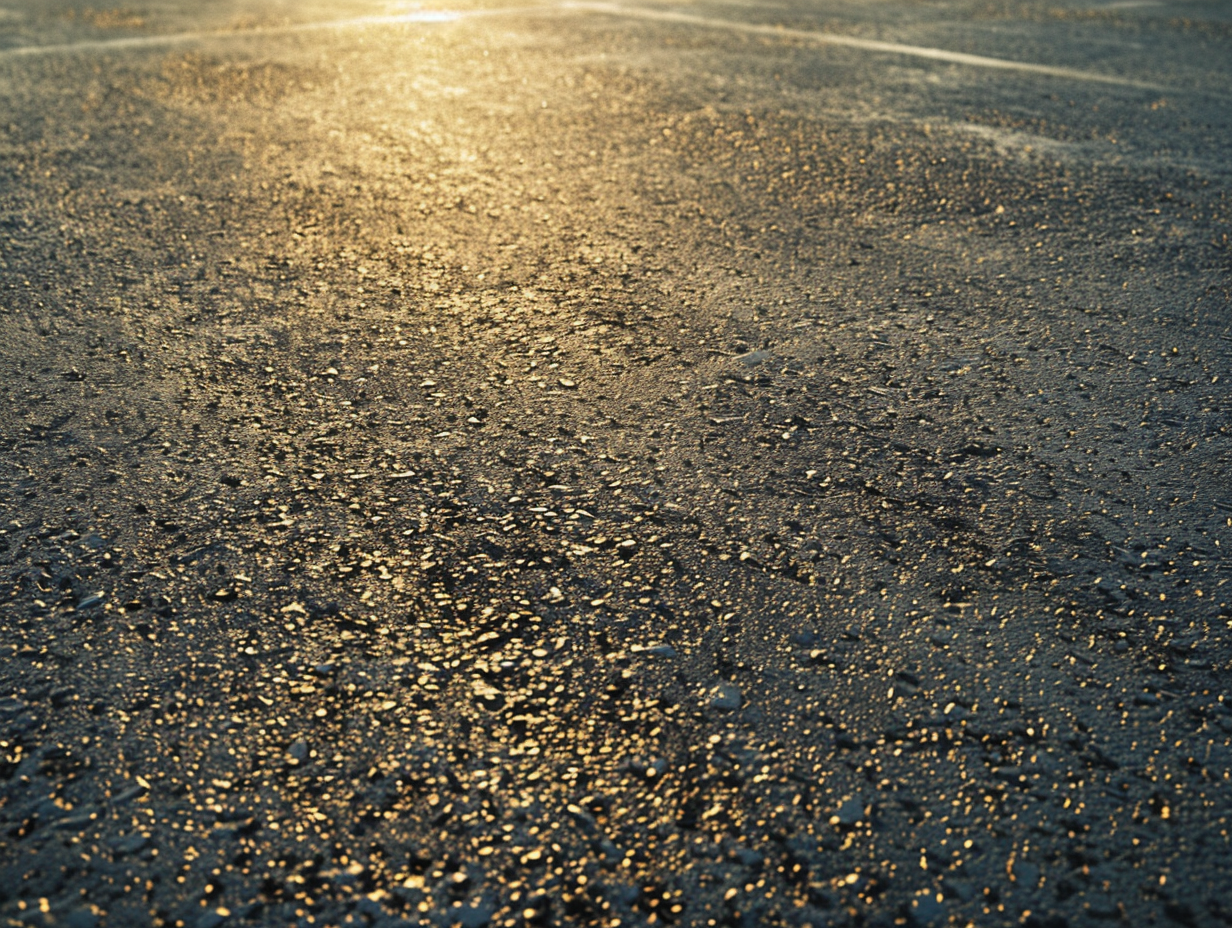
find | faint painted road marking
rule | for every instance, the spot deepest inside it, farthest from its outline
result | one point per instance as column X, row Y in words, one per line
column 870, row 45
column 184, row 38
column 424, row 17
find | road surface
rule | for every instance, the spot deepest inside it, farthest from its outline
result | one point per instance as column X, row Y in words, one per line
column 580, row 463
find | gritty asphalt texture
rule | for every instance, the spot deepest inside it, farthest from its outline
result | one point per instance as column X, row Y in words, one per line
column 579, row 466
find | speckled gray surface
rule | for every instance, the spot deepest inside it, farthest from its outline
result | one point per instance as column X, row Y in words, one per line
column 586, row 467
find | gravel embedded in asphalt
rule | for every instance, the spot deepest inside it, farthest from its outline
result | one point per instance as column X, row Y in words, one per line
column 615, row 466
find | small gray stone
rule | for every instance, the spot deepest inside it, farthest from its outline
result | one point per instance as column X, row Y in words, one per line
column 129, row 844
column 612, row 855
column 650, row 769
column 78, row 822
column 849, row 813
column 297, row 753
column 660, row 650
column 753, row 358
column 726, row 696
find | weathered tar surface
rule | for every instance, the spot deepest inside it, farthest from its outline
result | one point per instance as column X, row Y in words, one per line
column 694, row 464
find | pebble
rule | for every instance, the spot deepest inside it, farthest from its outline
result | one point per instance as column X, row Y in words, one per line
column 127, row 795
column 657, row 767
column 129, row 844
column 297, row 753
column 753, row 358
column 612, row 855
column 655, row 650
column 727, row 696
column 849, row 813
column 74, row 822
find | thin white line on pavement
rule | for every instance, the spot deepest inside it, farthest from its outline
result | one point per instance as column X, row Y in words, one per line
column 579, row 6
column 871, row 45
column 183, row 38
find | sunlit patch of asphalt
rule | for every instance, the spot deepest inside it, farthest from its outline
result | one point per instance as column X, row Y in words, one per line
column 418, row 17
column 428, row 17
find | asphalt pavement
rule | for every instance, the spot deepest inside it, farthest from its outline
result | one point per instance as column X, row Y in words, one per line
column 615, row 464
